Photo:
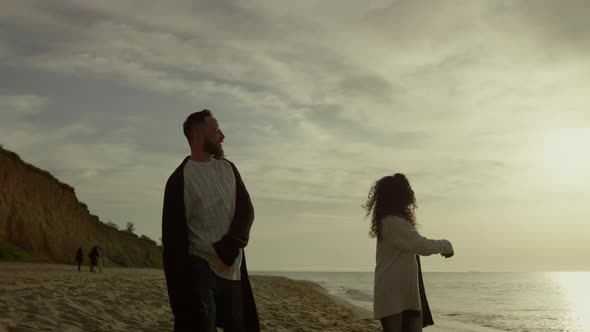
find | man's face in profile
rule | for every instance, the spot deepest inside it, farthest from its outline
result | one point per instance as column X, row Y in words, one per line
column 213, row 140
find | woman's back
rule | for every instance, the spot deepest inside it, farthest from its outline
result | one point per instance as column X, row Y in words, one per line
column 396, row 272
column 397, row 302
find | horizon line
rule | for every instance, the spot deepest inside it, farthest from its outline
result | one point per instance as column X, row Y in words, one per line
column 466, row 271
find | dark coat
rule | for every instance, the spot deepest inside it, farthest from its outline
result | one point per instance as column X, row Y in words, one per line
column 79, row 255
column 93, row 255
column 176, row 257
column 426, row 314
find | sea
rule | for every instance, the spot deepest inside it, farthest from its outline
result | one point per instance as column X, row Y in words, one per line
column 481, row 301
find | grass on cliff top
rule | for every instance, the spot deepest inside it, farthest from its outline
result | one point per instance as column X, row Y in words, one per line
column 13, row 254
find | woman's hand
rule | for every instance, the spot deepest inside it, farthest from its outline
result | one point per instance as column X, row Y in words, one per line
column 448, row 255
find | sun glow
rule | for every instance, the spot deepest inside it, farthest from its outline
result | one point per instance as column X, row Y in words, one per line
column 576, row 292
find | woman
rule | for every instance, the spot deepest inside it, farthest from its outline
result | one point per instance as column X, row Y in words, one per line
column 99, row 257
column 93, row 255
column 398, row 285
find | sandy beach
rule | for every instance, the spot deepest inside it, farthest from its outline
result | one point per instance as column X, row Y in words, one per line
column 43, row 297
column 47, row 297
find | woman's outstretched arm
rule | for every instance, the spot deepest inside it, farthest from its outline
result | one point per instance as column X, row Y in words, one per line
column 399, row 233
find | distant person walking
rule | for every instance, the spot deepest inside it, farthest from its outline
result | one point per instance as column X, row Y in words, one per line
column 100, row 255
column 400, row 300
column 79, row 258
column 206, row 223
column 93, row 255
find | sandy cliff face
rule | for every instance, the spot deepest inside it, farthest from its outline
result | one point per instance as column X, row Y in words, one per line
column 43, row 217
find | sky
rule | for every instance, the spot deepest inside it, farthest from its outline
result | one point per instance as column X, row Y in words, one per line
column 484, row 105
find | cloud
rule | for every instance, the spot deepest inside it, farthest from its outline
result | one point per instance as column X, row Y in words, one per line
column 542, row 25
column 20, row 106
column 317, row 99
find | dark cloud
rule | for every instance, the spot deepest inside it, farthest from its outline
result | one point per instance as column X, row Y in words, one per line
column 370, row 86
column 73, row 14
column 333, row 120
column 556, row 24
column 31, row 28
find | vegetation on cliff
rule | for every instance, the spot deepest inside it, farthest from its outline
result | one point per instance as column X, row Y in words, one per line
column 41, row 219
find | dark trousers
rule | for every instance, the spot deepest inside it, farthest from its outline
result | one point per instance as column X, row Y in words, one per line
column 407, row 321
column 215, row 299
column 79, row 265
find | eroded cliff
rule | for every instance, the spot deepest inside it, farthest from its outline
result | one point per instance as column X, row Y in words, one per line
column 42, row 218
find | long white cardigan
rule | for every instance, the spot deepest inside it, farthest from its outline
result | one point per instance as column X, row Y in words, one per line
column 396, row 272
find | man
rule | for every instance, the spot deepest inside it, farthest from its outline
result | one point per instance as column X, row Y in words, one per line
column 206, row 222
column 79, row 258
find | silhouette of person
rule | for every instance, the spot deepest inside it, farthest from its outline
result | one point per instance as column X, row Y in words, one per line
column 99, row 254
column 400, row 300
column 207, row 216
column 93, row 255
column 79, row 258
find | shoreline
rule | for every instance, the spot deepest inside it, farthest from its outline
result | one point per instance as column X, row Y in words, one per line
column 53, row 297
column 309, row 307
column 442, row 324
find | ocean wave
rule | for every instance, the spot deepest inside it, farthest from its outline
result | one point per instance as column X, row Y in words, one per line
column 356, row 295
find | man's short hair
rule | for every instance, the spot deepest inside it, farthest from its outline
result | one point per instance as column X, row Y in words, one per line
column 194, row 120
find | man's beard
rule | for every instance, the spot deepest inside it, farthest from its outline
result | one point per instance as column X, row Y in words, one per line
column 214, row 149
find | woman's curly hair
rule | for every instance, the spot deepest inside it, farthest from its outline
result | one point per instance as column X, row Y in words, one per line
column 391, row 195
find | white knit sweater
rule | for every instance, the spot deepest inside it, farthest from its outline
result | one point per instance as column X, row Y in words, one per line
column 210, row 201
column 396, row 272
